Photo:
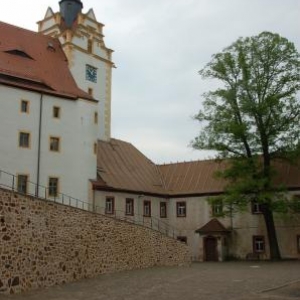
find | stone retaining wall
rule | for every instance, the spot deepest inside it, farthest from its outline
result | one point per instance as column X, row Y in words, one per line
column 44, row 243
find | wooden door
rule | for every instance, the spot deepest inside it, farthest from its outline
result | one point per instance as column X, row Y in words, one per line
column 210, row 248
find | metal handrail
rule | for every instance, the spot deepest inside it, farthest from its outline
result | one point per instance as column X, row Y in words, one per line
column 9, row 182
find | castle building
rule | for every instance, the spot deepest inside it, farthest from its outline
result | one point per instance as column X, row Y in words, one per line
column 55, row 116
column 55, row 88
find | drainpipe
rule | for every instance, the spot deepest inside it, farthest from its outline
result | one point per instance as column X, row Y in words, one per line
column 39, row 147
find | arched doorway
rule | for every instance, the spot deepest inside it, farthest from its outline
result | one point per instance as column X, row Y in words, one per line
column 210, row 248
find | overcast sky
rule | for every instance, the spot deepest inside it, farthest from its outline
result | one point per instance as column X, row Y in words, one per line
column 160, row 45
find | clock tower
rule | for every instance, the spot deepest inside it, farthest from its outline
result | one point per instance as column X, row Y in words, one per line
column 90, row 61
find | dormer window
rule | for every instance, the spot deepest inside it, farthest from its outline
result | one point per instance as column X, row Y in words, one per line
column 18, row 52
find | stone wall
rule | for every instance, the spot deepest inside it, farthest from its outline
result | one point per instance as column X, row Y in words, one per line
column 44, row 243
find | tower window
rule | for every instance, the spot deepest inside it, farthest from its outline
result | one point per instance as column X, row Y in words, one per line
column 24, row 106
column 24, row 139
column 56, row 112
column 54, row 144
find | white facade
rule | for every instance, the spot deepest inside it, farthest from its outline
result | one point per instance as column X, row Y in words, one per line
column 238, row 244
column 75, row 161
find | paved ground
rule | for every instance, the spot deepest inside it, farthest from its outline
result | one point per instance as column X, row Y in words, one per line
column 208, row 281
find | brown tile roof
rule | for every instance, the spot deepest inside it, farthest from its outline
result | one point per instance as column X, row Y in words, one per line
column 122, row 167
column 192, row 177
column 35, row 62
column 213, row 226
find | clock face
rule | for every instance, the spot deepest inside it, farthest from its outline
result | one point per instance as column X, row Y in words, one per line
column 91, row 73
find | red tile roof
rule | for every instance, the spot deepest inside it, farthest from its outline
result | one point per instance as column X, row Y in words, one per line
column 213, row 226
column 122, row 167
column 35, row 62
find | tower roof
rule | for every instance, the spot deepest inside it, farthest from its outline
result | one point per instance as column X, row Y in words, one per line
column 69, row 10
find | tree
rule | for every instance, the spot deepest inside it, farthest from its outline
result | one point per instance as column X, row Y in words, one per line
column 252, row 120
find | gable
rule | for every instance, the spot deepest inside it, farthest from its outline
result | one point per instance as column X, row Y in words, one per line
column 49, row 13
column 91, row 14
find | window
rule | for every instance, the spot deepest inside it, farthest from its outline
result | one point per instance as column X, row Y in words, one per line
column 110, row 205
column 298, row 243
column 90, row 91
column 96, row 118
column 90, row 46
column 24, row 139
column 95, row 148
column 163, row 209
column 256, row 208
column 217, row 208
column 22, row 183
column 182, row 239
column 258, row 244
column 147, row 208
column 56, row 112
column 181, row 209
column 54, row 144
column 24, row 106
column 129, row 207
column 53, row 187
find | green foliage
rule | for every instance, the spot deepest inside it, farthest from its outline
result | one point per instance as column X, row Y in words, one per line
column 256, row 107
column 254, row 117
column 252, row 120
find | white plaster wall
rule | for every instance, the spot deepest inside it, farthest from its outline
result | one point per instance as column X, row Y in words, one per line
column 78, row 69
column 157, row 221
column 74, row 165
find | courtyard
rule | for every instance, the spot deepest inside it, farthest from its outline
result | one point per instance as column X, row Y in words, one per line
column 209, row 281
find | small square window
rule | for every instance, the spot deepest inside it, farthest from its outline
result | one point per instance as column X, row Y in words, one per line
column 22, row 183
column 258, row 244
column 53, row 187
column 54, row 144
column 181, row 209
column 24, row 139
column 256, row 208
column 129, row 207
column 163, row 209
column 109, row 205
column 24, row 106
column 147, row 208
column 217, row 208
column 182, row 239
column 56, row 112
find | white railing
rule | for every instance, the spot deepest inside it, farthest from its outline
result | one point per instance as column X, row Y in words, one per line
column 9, row 181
